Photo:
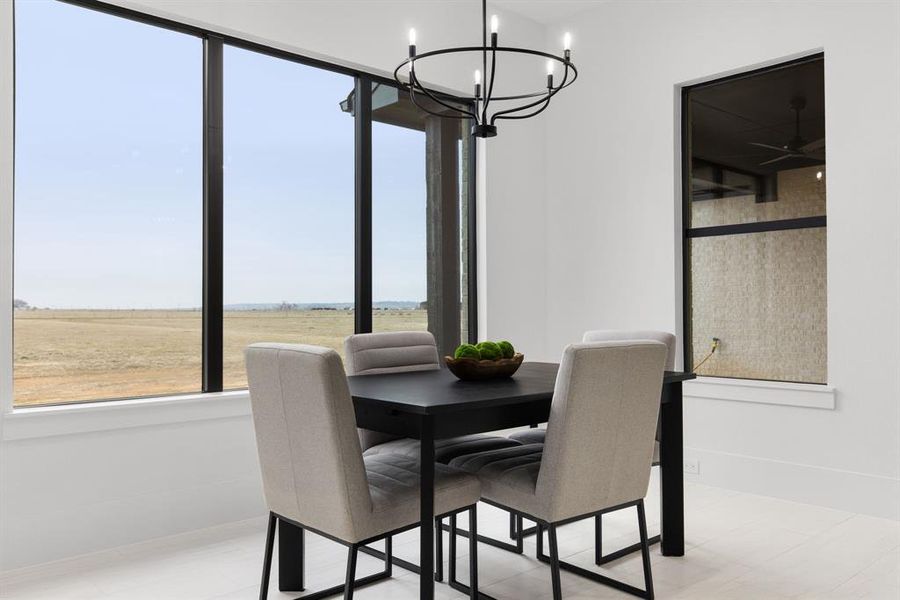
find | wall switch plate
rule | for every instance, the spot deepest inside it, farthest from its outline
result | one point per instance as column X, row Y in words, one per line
column 691, row 465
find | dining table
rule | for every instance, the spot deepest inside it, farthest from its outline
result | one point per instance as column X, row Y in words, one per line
column 433, row 405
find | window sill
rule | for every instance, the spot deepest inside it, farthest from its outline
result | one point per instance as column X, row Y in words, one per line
column 45, row 421
column 804, row 395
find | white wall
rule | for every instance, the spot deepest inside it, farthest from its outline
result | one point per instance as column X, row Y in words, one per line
column 75, row 483
column 613, row 247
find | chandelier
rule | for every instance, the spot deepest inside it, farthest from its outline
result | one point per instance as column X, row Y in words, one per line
column 518, row 106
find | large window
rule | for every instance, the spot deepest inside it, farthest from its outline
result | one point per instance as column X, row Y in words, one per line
column 180, row 195
column 755, row 237
column 289, row 206
column 108, row 207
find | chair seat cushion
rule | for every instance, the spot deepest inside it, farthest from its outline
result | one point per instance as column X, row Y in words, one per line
column 508, row 475
column 529, row 436
column 537, row 436
column 394, row 488
column 444, row 450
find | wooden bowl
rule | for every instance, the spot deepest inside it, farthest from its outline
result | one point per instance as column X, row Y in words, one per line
column 469, row 369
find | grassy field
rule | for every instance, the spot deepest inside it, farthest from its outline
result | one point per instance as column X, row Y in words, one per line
column 76, row 355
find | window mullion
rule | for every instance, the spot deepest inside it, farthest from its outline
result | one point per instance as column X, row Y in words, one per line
column 212, row 213
column 362, row 99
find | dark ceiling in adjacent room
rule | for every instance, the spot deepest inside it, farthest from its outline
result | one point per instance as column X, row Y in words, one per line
column 728, row 117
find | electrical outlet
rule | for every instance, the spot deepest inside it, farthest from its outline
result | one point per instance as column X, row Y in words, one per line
column 691, row 465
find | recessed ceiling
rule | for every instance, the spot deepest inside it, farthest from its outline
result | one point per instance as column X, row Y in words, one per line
column 546, row 11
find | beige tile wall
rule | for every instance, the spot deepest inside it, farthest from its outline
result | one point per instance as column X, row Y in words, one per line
column 763, row 294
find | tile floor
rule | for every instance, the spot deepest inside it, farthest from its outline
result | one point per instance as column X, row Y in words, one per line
column 738, row 546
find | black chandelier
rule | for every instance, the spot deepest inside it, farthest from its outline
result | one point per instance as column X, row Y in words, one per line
column 520, row 106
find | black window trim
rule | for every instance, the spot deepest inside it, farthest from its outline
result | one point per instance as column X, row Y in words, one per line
column 213, row 190
column 688, row 233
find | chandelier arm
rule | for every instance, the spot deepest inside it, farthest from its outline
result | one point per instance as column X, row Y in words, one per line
column 412, row 97
column 414, row 83
column 490, row 89
column 544, row 100
column 510, row 112
column 498, row 116
column 568, row 64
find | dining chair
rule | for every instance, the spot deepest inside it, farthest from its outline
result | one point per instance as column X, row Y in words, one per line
column 314, row 474
column 597, row 454
column 537, row 435
column 400, row 352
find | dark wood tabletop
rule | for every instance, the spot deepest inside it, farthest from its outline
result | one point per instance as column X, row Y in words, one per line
column 439, row 391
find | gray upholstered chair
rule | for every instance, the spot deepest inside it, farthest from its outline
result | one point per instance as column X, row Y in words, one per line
column 314, row 473
column 400, row 352
column 536, row 435
column 597, row 453
column 397, row 352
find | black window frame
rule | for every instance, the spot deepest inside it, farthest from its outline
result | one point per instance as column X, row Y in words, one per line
column 688, row 233
column 213, row 187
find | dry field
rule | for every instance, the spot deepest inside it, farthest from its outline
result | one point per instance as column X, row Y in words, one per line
column 73, row 355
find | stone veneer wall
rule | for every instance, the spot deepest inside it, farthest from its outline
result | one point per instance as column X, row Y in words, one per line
column 762, row 294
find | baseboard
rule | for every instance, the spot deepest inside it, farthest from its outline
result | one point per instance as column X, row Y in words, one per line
column 67, row 533
column 844, row 490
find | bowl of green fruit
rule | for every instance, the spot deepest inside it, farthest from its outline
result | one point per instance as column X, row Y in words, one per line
column 484, row 360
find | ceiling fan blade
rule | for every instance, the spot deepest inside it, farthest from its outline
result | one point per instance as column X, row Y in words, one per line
column 768, row 146
column 816, row 145
column 780, row 158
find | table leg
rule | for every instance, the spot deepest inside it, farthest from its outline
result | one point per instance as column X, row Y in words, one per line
column 426, row 508
column 290, row 557
column 671, row 451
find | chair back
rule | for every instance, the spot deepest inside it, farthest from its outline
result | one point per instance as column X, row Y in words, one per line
column 599, row 444
column 309, row 454
column 388, row 352
column 609, row 335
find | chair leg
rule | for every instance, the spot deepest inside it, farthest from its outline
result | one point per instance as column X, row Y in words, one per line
column 554, row 564
column 267, row 559
column 539, row 550
column 645, row 551
column 513, row 532
column 389, row 555
column 351, row 572
column 438, row 551
column 598, row 539
column 451, row 568
column 473, row 553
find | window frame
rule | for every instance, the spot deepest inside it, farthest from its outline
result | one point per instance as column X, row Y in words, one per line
column 688, row 233
column 213, row 196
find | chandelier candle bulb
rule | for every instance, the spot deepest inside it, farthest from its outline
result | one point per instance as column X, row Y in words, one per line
column 550, row 73
column 567, row 45
column 412, row 42
column 477, row 84
column 494, row 27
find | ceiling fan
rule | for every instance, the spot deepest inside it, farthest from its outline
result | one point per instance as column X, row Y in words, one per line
column 797, row 146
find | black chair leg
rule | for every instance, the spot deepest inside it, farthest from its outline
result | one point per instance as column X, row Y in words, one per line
column 645, row 551
column 451, row 568
column 513, row 532
column 473, row 553
column 389, row 555
column 554, row 564
column 438, row 551
column 351, row 572
column 267, row 560
column 598, row 539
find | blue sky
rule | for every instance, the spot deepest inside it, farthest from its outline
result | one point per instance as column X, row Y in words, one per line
column 108, row 173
